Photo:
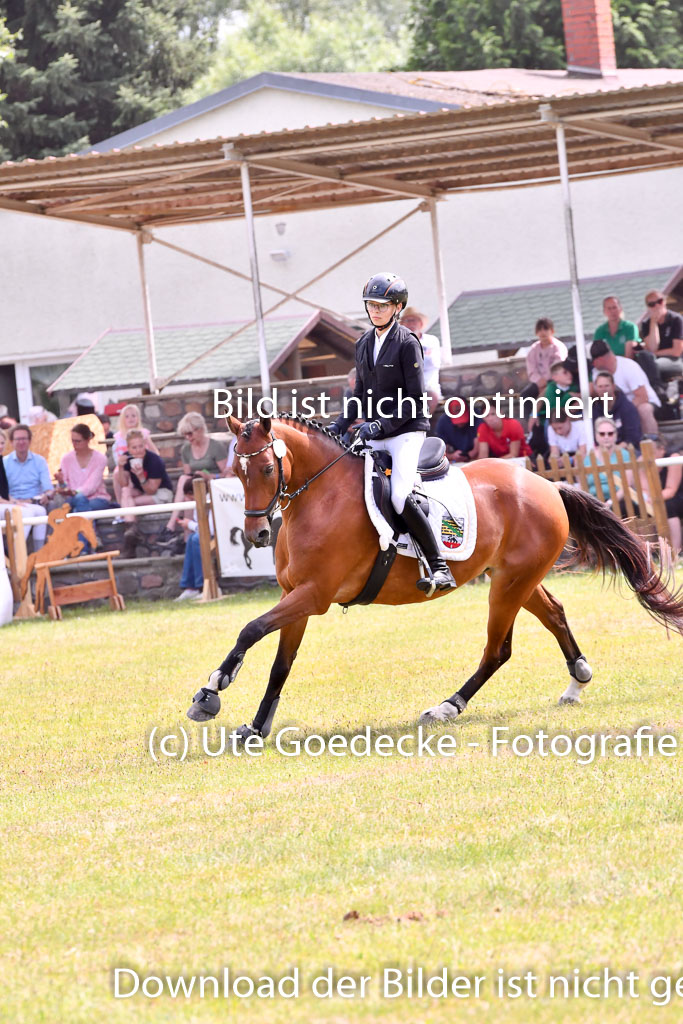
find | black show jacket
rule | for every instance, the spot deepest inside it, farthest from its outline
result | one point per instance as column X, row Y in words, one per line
column 400, row 366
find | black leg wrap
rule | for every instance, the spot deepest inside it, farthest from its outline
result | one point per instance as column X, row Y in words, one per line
column 205, row 705
column 265, row 729
column 458, row 702
column 230, row 667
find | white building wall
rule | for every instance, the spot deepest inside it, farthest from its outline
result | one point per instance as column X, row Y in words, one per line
column 63, row 284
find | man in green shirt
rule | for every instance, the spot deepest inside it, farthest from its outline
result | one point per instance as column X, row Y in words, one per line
column 621, row 335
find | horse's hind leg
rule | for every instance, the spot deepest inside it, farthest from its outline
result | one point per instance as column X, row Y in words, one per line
column 290, row 640
column 550, row 612
column 508, row 593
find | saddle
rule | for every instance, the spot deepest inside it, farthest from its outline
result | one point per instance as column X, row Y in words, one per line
column 432, row 465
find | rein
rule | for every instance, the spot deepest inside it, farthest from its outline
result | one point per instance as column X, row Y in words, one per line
column 279, row 450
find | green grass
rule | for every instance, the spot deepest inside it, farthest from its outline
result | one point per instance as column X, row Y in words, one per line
column 473, row 862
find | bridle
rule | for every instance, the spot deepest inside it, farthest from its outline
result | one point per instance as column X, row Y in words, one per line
column 275, row 504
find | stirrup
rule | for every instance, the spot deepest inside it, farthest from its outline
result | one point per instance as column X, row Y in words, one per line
column 441, row 579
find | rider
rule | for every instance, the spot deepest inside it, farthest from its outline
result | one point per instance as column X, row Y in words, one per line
column 389, row 358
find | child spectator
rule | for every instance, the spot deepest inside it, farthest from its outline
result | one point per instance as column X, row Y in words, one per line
column 566, row 436
column 129, row 419
column 539, row 359
column 144, row 481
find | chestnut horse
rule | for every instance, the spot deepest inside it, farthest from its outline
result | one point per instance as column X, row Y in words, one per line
column 327, row 546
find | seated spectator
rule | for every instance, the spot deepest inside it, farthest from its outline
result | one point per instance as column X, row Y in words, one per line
column 201, row 455
column 7, row 422
column 662, row 333
column 459, row 436
column 129, row 419
column 28, row 480
column 671, row 479
column 37, row 414
column 557, row 393
column 606, row 452
column 144, row 481
column 192, row 577
column 80, row 477
column 566, row 436
column 621, row 335
column 543, row 353
column 106, row 425
column 501, row 439
column 4, row 486
column 431, row 348
column 631, row 380
column 620, row 409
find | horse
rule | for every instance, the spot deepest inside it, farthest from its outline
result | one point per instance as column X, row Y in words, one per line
column 523, row 525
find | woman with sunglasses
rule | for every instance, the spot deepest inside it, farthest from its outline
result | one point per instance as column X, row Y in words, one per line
column 200, row 455
column 662, row 332
column 606, row 452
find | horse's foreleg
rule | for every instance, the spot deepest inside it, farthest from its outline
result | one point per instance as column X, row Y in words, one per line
column 299, row 603
column 290, row 639
column 549, row 611
column 506, row 596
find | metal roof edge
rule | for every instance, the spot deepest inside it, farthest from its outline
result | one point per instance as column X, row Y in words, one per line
column 264, row 80
column 476, row 292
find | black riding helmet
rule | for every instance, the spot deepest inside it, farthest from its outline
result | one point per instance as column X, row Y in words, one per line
column 386, row 288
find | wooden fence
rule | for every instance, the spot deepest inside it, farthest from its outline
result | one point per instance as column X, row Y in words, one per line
column 633, row 483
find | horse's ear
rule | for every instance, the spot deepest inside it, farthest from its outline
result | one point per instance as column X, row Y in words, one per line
column 265, row 424
column 234, row 425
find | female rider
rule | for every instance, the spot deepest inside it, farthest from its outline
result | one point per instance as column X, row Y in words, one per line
column 389, row 392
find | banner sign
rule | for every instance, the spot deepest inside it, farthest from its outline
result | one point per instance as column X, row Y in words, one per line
column 236, row 555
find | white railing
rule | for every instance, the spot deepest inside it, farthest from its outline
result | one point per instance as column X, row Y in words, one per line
column 110, row 513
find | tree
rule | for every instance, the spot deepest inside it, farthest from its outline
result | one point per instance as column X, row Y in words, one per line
column 296, row 35
column 88, row 69
column 460, row 35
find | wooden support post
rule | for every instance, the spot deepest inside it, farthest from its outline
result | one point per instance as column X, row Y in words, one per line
column 210, row 590
column 647, row 449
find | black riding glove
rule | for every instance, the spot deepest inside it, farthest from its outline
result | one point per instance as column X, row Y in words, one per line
column 370, row 431
column 335, row 429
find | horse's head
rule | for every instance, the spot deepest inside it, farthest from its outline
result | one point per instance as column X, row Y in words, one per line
column 259, row 464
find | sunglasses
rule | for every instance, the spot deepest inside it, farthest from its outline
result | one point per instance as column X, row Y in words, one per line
column 606, row 433
column 655, row 302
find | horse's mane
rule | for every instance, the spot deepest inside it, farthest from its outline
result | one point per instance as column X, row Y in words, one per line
column 299, row 420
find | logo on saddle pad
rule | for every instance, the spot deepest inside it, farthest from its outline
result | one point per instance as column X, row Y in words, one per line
column 452, row 531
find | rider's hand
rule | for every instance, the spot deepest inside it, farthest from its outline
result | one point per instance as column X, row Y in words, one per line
column 370, row 431
column 335, row 429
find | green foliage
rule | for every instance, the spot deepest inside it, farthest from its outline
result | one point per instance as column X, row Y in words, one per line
column 461, row 35
column 87, row 69
column 306, row 37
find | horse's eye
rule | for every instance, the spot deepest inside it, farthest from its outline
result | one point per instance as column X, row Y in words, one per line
column 268, row 470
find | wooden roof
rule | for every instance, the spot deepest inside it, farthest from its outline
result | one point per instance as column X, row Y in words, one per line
column 407, row 156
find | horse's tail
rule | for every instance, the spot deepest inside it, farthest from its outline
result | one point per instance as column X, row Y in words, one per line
column 597, row 531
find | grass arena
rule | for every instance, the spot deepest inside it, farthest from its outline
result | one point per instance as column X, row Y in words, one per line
column 502, row 873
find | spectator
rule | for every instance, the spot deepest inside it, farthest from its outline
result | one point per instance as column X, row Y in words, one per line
column 501, row 439
column 431, row 348
column 632, row 381
column 7, row 422
column 144, row 481
column 129, row 419
column 4, row 486
column 621, row 335
column 662, row 332
column 620, row 409
column 459, row 435
column 543, row 353
column 28, row 479
column 81, row 473
column 566, row 436
column 557, row 392
column 192, row 577
column 671, row 478
column 606, row 452
column 106, row 425
column 37, row 414
column 201, row 455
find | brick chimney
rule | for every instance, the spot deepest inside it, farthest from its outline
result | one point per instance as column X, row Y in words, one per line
column 589, row 37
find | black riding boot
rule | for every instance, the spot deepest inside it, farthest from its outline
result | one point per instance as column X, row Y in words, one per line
column 419, row 527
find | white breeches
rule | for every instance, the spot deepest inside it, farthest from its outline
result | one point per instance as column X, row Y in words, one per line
column 405, row 455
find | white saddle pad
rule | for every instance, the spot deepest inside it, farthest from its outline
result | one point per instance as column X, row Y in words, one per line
column 452, row 514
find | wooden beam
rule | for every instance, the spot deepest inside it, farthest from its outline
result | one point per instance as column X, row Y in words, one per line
column 307, row 170
column 621, row 131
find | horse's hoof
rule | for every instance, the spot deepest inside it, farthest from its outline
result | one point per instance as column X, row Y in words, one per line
column 205, row 705
column 245, row 731
column 565, row 700
column 441, row 713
